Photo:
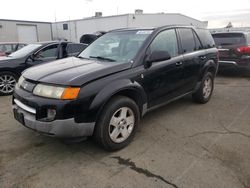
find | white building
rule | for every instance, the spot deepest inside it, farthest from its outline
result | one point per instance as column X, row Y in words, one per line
column 73, row 30
column 31, row 31
column 24, row 31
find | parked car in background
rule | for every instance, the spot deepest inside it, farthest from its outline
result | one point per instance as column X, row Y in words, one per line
column 14, row 64
column 234, row 49
column 106, row 90
column 10, row 47
column 89, row 38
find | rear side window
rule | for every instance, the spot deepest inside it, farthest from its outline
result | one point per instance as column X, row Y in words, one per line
column 206, row 38
column 223, row 39
column 75, row 49
column 187, row 40
column 166, row 41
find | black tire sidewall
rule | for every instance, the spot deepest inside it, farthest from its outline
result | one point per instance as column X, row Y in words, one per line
column 102, row 128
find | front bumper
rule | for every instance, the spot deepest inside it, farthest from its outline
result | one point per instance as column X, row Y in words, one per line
column 63, row 128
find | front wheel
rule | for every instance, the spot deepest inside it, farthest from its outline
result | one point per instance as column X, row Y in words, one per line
column 117, row 124
column 205, row 91
column 8, row 81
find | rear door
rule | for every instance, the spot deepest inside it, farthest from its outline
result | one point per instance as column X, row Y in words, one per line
column 193, row 57
column 227, row 44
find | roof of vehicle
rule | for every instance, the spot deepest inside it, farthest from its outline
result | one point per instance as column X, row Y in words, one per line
column 154, row 28
column 12, row 43
column 49, row 42
column 236, row 32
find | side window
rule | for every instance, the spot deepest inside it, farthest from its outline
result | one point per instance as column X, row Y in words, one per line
column 187, row 40
column 75, row 49
column 8, row 48
column 20, row 46
column 206, row 38
column 166, row 41
column 197, row 42
column 48, row 52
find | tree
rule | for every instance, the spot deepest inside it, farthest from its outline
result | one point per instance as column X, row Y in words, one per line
column 229, row 25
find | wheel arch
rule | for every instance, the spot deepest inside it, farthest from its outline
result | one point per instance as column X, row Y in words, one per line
column 127, row 88
column 209, row 66
column 9, row 70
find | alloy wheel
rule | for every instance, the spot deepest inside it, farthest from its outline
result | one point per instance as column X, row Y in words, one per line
column 7, row 84
column 207, row 88
column 121, row 125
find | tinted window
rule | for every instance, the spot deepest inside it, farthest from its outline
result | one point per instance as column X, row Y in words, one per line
column 75, row 49
column 206, row 38
column 187, row 40
column 222, row 39
column 48, row 52
column 166, row 41
column 197, row 42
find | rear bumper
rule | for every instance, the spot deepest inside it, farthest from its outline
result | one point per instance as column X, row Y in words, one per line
column 228, row 64
column 63, row 128
column 233, row 64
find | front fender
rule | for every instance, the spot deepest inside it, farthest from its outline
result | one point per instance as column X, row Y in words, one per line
column 115, row 87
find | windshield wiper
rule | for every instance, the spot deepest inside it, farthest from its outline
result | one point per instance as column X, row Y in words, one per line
column 103, row 58
column 82, row 57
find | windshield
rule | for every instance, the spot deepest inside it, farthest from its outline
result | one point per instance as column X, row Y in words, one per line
column 120, row 46
column 25, row 50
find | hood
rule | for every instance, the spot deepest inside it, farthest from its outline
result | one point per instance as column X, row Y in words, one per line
column 6, row 60
column 73, row 71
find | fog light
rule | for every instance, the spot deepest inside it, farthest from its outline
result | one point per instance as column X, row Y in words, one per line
column 51, row 114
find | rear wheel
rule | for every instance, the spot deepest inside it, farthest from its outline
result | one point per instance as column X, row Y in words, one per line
column 204, row 93
column 8, row 81
column 117, row 124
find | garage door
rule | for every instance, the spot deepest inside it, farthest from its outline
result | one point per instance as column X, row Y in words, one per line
column 27, row 33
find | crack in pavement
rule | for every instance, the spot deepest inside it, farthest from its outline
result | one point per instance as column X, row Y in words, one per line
column 132, row 165
column 218, row 132
column 227, row 131
column 213, row 143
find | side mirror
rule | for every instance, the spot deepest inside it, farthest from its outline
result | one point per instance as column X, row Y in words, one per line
column 30, row 58
column 157, row 56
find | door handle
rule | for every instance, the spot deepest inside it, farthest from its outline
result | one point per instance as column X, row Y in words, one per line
column 178, row 63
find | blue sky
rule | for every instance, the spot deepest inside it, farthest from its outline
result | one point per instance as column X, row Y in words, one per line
column 217, row 12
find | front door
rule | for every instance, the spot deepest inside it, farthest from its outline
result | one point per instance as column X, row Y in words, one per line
column 162, row 79
column 47, row 54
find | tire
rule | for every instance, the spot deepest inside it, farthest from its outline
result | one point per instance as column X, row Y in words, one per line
column 8, row 81
column 117, row 123
column 205, row 91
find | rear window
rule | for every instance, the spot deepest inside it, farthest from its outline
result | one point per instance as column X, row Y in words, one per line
column 206, row 38
column 223, row 39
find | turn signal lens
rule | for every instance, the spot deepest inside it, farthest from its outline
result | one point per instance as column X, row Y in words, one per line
column 70, row 93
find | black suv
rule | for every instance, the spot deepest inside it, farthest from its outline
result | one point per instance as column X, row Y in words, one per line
column 106, row 90
column 234, row 49
column 14, row 64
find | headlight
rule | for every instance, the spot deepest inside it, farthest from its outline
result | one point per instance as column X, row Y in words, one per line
column 20, row 81
column 56, row 92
